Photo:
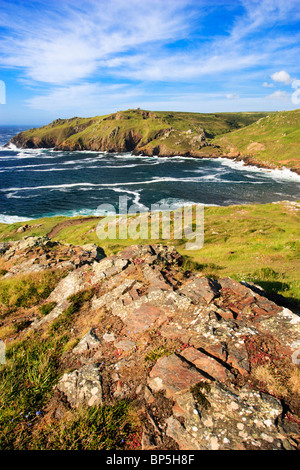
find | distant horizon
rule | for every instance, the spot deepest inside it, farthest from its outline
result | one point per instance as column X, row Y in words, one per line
column 62, row 59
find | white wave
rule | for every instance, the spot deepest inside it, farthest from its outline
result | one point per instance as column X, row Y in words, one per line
column 276, row 174
column 10, row 147
column 13, row 195
column 116, row 167
column 130, row 156
column 175, row 203
column 25, row 166
column 47, row 170
column 57, row 169
column 163, row 179
column 11, row 219
column 54, row 186
column 82, row 160
column 136, row 199
column 70, row 162
column 79, row 212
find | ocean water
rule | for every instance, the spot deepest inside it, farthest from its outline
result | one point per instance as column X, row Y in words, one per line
column 41, row 182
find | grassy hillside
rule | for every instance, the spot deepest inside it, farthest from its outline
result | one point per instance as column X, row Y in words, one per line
column 273, row 140
column 266, row 139
column 258, row 243
column 159, row 133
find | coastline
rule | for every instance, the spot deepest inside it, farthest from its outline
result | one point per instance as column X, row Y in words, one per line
column 247, row 160
column 234, row 159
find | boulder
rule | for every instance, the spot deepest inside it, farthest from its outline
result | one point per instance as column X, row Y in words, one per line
column 233, row 419
column 82, row 386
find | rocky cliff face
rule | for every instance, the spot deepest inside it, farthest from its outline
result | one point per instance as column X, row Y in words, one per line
column 212, row 364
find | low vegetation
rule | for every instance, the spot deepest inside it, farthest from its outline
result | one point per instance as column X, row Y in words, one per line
column 144, row 132
column 252, row 243
column 26, row 384
column 266, row 139
column 273, row 140
column 257, row 243
column 26, row 290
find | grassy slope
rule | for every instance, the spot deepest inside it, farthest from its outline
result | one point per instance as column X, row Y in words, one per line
column 110, row 132
column 258, row 243
column 272, row 140
column 279, row 134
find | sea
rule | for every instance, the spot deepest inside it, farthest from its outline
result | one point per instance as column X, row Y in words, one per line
column 36, row 183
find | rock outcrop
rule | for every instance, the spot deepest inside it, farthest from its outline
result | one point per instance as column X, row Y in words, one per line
column 186, row 348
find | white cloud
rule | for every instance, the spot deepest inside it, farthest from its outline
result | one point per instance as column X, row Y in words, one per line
column 72, row 43
column 278, row 95
column 63, row 46
column 86, row 99
column 232, row 96
column 282, row 77
column 188, row 67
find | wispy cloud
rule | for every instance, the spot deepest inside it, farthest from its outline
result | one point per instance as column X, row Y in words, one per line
column 76, row 40
column 79, row 57
column 232, row 96
column 278, row 95
column 86, row 98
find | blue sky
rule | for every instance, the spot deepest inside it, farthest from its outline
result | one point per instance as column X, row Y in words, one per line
column 71, row 58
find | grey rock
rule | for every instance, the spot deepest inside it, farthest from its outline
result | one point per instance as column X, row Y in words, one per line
column 94, row 251
column 125, row 345
column 244, row 419
column 201, row 289
column 82, row 386
column 88, row 342
column 4, row 247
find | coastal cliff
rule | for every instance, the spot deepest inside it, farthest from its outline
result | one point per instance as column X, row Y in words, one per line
column 138, row 131
column 266, row 140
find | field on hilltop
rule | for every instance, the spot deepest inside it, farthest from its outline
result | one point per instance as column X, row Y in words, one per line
column 273, row 141
column 270, row 140
column 143, row 132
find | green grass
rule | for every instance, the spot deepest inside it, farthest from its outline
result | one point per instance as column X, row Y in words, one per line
column 243, row 242
column 38, row 227
column 272, row 139
column 127, row 130
column 26, row 385
column 258, row 242
column 46, row 308
column 26, row 290
column 279, row 133
column 26, row 382
column 255, row 243
column 67, row 316
column 32, row 368
column 93, row 428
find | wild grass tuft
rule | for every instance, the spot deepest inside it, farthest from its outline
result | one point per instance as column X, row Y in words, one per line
column 94, row 428
column 26, row 290
column 26, row 382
